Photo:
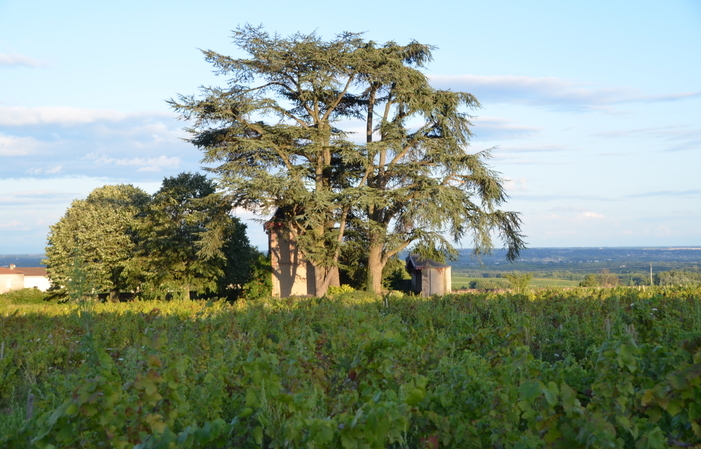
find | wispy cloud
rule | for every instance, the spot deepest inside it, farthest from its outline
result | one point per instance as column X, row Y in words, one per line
column 490, row 128
column 548, row 91
column 64, row 116
column 17, row 146
column 671, row 193
column 532, row 148
column 589, row 214
column 516, row 185
column 133, row 147
column 34, row 197
column 678, row 137
column 144, row 164
column 47, row 170
column 17, row 60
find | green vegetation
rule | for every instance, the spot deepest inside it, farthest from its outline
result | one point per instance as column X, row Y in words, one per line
column 276, row 131
column 579, row 368
column 24, row 296
column 179, row 241
column 519, row 281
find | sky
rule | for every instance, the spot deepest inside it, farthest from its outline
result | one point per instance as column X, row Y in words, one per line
column 592, row 109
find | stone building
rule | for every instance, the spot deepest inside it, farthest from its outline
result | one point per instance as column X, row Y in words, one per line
column 429, row 277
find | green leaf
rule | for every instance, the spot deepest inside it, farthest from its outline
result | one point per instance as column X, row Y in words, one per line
column 530, row 390
column 550, row 393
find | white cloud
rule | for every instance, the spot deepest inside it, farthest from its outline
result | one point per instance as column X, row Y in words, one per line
column 49, row 171
column 17, row 60
column 533, row 148
column 547, row 91
column 516, row 185
column 589, row 214
column 14, row 225
column 55, row 115
column 144, row 164
column 487, row 128
column 16, row 146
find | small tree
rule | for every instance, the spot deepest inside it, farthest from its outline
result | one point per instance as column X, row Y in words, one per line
column 519, row 281
column 99, row 233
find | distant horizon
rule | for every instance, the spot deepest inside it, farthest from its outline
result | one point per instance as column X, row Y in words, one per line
column 652, row 247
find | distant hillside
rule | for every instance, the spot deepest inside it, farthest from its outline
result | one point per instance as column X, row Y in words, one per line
column 532, row 258
column 574, row 256
column 21, row 260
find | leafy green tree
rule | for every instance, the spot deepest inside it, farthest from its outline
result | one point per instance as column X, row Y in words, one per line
column 519, row 281
column 190, row 242
column 677, row 277
column 101, row 231
column 590, row 280
column 410, row 179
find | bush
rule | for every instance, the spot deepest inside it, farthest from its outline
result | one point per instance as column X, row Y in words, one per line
column 489, row 284
column 345, row 288
column 519, row 281
column 24, row 296
column 261, row 283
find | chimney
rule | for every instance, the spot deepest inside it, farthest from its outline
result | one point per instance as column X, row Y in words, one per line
column 12, row 266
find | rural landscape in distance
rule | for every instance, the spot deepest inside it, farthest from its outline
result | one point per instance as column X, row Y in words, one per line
column 366, row 226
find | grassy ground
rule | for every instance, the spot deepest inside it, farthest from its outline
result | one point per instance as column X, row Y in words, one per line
column 463, row 281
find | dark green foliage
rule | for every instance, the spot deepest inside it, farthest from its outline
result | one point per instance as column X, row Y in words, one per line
column 260, row 284
column 490, row 284
column 189, row 242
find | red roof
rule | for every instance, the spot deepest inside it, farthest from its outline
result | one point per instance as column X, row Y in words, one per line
column 26, row 271
column 32, row 271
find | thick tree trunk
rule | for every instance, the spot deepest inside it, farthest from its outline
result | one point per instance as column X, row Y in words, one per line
column 375, row 266
column 114, row 295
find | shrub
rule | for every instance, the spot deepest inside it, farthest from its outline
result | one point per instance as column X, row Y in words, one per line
column 345, row 288
column 519, row 281
column 25, row 296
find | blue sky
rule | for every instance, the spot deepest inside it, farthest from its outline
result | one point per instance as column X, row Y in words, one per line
column 593, row 108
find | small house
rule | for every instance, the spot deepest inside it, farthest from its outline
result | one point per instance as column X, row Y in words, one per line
column 17, row 278
column 10, row 280
column 429, row 277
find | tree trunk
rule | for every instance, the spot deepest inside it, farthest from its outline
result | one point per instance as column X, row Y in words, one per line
column 186, row 292
column 375, row 266
column 325, row 278
column 114, row 295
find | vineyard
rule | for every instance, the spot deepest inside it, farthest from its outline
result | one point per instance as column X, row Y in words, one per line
column 599, row 368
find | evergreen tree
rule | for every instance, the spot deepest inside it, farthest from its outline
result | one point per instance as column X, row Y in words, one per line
column 410, row 179
column 190, row 242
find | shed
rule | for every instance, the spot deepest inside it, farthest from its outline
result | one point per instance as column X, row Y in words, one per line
column 429, row 277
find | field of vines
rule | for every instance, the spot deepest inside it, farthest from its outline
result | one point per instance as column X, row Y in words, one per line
column 597, row 368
